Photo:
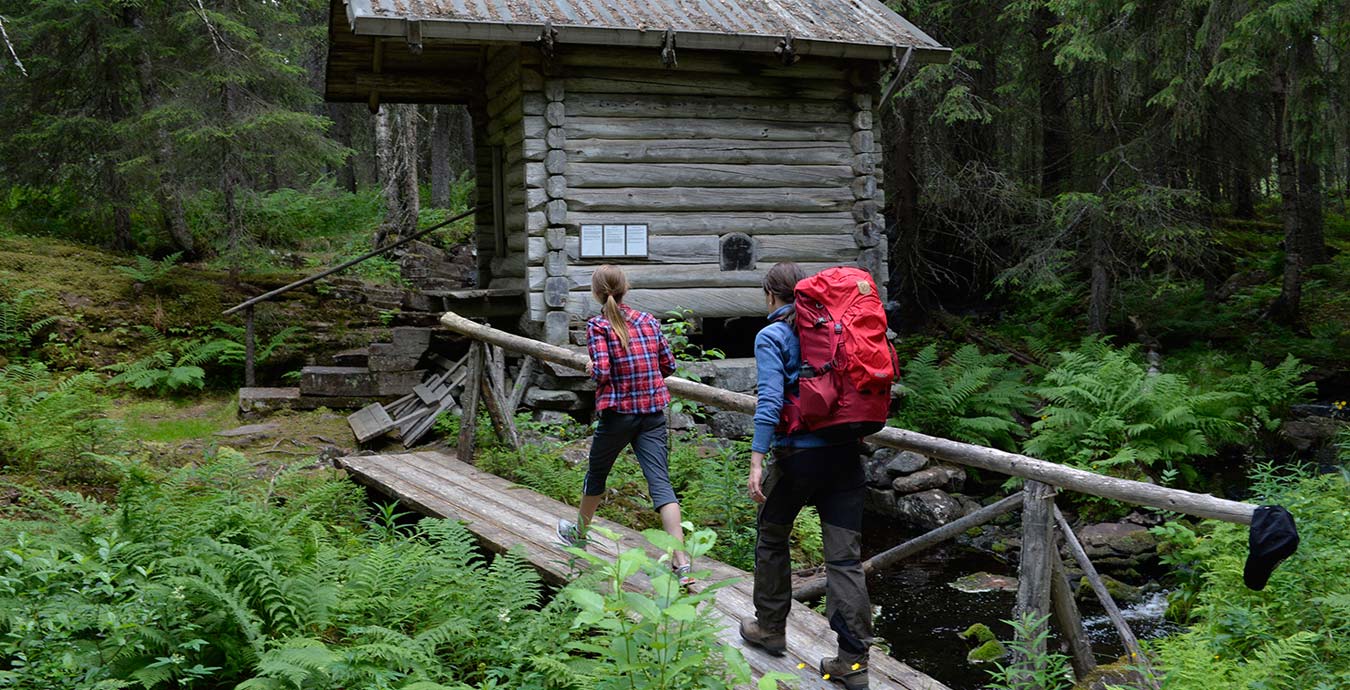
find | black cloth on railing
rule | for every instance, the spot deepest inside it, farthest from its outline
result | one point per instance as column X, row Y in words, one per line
column 1272, row 539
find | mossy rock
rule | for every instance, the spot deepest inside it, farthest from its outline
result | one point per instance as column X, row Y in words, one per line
column 1121, row 592
column 978, row 633
column 987, row 653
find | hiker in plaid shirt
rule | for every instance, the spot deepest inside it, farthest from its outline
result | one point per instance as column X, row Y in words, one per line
column 630, row 359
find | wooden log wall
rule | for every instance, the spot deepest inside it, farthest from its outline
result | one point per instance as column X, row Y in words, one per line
column 498, row 122
column 721, row 144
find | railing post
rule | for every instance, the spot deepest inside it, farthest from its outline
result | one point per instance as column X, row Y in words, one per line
column 248, row 347
column 1034, row 572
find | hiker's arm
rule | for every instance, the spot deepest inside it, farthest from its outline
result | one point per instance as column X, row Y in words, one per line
column 769, row 405
column 598, row 346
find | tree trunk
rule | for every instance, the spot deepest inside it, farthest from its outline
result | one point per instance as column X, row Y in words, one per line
column 396, row 149
column 460, row 131
column 1312, row 243
column 1309, row 88
column 1099, row 303
column 174, row 219
column 1056, row 146
column 901, row 168
column 1244, row 202
column 440, row 156
column 1286, row 306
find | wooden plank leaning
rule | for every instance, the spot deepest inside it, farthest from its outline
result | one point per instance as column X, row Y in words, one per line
column 815, row 587
column 468, row 423
column 1073, row 479
column 1131, row 643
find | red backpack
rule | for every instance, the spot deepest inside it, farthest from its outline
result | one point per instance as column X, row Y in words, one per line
column 848, row 365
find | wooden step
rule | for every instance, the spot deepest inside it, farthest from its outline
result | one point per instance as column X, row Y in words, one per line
column 356, row 382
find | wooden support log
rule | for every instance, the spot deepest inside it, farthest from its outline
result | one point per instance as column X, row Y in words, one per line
column 502, row 421
column 468, row 422
column 722, row 149
column 694, row 128
column 640, row 199
column 993, row 460
column 522, row 382
column 815, row 587
column 605, row 175
column 1068, row 621
column 704, row 107
column 752, row 223
column 1034, row 573
column 1127, row 638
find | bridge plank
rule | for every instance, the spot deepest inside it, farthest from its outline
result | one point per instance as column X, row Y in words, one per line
column 505, row 515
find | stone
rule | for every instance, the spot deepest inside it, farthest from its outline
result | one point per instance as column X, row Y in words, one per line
column 555, row 239
column 355, row 357
column 544, row 399
column 948, row 477
column 968, row 504
column 259, row 402
column 247, row 434
column 874, row 469
column 385, row 357
column 979, row 633
column 1310, row 432
column 735, row 374
column 1123, row 594
column 411, row 339
column 984, row 582
column 729, row 424
column 551, row 417
column 356, row 382
column 923, row 480
column 902, row 462
column 928, row 509
column 556, row 324
column 987, row 653
column 880, row 502
column 678, row 421
column 1116, row 539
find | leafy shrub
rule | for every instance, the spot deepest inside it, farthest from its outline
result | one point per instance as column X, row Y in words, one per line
column 1291, row 635
column 679, row 327
column 1031, row 668
column 178, row 364
column 1266, row 393
column 667, row 639
column 55, row 425
column 1107, row 413
column 971, row 397
column 20, row 323
column 202, row 578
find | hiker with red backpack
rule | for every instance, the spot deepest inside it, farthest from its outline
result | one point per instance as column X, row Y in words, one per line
column 824, row 371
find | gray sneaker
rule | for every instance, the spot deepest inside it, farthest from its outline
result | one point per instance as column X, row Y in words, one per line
column 570, row 535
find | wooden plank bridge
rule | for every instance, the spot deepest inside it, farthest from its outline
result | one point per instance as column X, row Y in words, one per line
column 505, row 515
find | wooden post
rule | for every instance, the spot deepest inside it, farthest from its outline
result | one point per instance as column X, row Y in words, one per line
column 816, row 587
column 1068, row 621
column 1033, row 574
column 502, row 422
column 991, row 459
column 1131, row 643
column 497, row 357
column 249, row 347
column 468, row 421
column 522, row 382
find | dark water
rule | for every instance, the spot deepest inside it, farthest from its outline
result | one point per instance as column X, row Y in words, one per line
column 920, row 615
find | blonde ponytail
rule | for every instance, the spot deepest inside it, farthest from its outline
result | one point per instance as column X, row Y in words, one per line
column 609, row 285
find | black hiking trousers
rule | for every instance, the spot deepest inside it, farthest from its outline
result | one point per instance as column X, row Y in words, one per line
column 831, row 479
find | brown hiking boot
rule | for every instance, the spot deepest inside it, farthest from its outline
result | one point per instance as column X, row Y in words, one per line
column 849, row 669
column 771, row 641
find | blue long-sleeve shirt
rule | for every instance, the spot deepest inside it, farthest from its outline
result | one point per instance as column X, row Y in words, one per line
column 778, row 360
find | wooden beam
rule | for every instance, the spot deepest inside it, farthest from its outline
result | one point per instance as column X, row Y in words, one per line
column 522, row 382
column 468, row 421
column 993, row 460
column 1068, row 621
column 815, row 587
column 1034, row 574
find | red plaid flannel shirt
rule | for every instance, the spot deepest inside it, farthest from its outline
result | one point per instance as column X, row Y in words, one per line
column 632, row 380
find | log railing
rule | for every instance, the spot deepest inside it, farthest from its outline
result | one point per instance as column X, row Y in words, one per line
column 1043, row 588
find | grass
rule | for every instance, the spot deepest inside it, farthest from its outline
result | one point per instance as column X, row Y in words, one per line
column 172, row 421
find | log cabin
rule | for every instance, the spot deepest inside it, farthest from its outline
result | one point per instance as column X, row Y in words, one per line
column 693, row 142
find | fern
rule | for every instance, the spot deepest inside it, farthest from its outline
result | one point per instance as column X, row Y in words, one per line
column 19, row 322
column 148, row 271
column 971, row 397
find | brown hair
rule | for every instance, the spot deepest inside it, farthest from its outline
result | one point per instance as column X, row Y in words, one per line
column 781, row 282
column 609, row 285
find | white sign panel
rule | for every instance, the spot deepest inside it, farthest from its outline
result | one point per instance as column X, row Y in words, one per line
column 636, row 244
column 614, row 240
column 592, row 241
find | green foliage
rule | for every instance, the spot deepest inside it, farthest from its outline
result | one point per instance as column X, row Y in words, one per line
column 148, row 271
column 233, row 348
column 711, row 482
column 55, row 426
column 1107, row 413
column 1291, row 635
column 971, row 397
column 20, row 323
column 679, row 328
column 1267, row 393
column 207, row 578
column 175, row 365
column 665, row 639
column 1031, row 668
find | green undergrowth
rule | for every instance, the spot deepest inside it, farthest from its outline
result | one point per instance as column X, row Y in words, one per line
column 169, row 421
column 1294, row 634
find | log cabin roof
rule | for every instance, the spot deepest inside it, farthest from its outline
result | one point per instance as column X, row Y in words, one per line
column 863, row 29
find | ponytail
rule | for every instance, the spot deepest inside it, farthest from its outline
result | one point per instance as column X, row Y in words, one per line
column 609, row 285
column 616, row 320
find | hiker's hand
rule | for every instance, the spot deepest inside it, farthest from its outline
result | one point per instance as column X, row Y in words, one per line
column 590, row 369
column 756, row 481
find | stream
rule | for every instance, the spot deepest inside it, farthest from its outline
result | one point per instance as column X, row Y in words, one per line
column 921, row 616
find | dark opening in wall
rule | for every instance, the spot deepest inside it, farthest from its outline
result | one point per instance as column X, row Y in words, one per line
column 734, row 336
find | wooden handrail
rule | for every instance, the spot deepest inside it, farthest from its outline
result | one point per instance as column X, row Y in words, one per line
column 1014, row 464
column 348, row 264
